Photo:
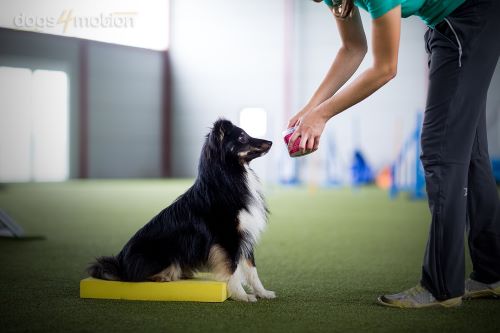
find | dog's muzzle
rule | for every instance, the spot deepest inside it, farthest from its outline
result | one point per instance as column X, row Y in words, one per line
column 257, row 148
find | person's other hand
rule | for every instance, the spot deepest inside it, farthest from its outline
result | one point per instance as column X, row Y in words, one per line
column 309, row 130
column 295, row 120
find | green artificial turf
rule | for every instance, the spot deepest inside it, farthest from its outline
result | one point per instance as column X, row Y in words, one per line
column 327, row 253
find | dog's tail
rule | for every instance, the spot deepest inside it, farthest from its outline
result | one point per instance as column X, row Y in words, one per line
column 106, row 268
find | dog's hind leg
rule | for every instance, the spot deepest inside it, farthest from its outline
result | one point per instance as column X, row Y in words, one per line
column 228, row 271
column 252, row 278
column 171, row 273
column 187, row 274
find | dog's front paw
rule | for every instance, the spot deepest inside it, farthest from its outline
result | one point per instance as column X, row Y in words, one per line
column 244, row 298
column 268, row 294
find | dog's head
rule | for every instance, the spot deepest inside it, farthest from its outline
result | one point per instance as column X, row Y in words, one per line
column 232, row 143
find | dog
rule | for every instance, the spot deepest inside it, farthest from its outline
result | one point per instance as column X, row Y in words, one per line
column 213, row 226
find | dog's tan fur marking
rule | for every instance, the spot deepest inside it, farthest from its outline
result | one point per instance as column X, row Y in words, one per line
column 250, row 263
column 171, row 273
column 219, row 263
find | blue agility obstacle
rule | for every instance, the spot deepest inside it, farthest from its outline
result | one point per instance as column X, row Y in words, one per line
column 407, row 173
column 361, row 171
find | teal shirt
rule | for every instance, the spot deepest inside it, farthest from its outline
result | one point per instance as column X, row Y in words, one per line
column 430, row 11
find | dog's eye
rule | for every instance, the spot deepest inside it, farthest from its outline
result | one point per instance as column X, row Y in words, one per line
column 243, row 139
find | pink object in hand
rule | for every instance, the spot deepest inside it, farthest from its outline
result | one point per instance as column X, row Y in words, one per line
column 293, row 151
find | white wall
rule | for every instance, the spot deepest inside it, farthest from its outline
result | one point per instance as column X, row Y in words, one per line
column 127, row 22
column 226, row 55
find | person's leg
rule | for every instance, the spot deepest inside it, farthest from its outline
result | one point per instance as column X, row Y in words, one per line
column 455, row 105
column 463, row 53
column 483, row 210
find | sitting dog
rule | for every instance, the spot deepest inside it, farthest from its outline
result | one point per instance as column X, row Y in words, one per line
column 214, row 226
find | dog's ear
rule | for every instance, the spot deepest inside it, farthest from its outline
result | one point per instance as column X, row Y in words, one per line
column 217, row 133
column 220, row 129
column 214, row 139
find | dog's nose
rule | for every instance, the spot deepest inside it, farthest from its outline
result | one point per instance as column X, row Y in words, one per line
column 267, row 144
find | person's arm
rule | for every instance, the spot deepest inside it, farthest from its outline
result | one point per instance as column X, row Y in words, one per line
column 385, row 44
column 349, row 57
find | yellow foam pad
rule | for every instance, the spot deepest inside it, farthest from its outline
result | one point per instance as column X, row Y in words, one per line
column 194, row 290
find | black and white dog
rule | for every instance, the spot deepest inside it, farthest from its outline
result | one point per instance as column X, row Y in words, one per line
column 214, row 226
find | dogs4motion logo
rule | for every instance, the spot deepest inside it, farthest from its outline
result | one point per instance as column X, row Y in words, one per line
column 69, row 20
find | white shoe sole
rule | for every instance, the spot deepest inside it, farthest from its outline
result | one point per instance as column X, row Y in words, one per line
column 485, row 293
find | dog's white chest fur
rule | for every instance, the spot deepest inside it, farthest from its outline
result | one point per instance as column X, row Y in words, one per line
column 253, row 221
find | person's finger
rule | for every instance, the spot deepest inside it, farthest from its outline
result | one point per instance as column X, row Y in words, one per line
column 292, row 139
column 303, row 142
column 310, row 144
column 316, row 144
column 294, row 121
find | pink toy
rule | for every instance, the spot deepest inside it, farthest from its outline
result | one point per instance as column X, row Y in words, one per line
column 295, row 150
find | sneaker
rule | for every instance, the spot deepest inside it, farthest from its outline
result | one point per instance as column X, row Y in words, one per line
column 416, row 297
column 476, row 289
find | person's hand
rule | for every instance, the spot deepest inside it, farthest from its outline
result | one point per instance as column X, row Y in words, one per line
column 295, row 120
column 309, row 130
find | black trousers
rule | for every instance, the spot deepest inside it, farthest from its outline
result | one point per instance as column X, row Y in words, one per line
column 463, row 52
